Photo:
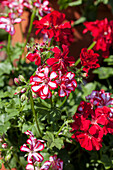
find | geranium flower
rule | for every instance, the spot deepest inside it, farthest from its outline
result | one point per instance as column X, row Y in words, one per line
column 90, row 134
column 17, row 5
column 34, row 57
column 7, row 23
column 85, row 109
column 31, row 167
column 61, row 61
column 67, row 83
column 102, row 33
column 42, row 7
column 42, row 82
column 89, row 59
column 53, row 163
column 53, row 25
column 34, row 147
column 100, row 98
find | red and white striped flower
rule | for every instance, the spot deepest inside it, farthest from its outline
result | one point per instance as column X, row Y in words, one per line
column 43, row 82
column 100, row 98
column 67, row 84
column 7, row 23
column 34, row 147
column 54, row 163
column 17, row 5
column 31, row 167
column 42, row 6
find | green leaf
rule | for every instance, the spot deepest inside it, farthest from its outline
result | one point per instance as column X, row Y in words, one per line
column 80, row 20
column 63, row 3
column 5, row 68
column 109, row 60
column 54, row 115
column 13, row 162
column 104, row 72
column 4, row 126
column 2, row 81
column 88, row 88
column 105, row 160
column 58, row 143
column 77, row 2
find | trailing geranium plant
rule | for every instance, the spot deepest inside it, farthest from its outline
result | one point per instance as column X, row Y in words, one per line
column 47, row 105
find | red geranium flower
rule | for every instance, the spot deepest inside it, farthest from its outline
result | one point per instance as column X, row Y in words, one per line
column 102, row 33
column 53, row 26
column 89, row 137
column 60, row 61
column 89, row 59
column 34, row 57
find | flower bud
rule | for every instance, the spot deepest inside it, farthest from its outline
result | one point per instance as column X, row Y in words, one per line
column 21, row 78
column 23, row 97
column 4, row 145
column 18, row 90
column 1, row 140
column 16, row 81
column 8, row 157
column 23, row 90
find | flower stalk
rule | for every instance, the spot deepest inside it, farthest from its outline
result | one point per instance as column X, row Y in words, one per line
column 34, row 114
column 89, row 48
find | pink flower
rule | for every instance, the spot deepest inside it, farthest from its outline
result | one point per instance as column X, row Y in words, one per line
column 60, row 61
column 7, row 23
column 67, row 83
column 34, row 147
column 102, row 33
column 53, row 26
column 42, row 7
column 42, row 83
column 89, row 59
column 53, row 163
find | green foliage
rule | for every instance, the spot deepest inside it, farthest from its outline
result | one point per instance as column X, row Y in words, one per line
column 104, row 72
column 63, row 3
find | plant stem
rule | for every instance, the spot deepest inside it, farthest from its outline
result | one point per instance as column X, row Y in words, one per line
column 109, row 84
column 63, row 102
column 90, row 47
column 68, row 121
column 8, row 48
column 77, row 62
column 34, row 114
column 51, row 102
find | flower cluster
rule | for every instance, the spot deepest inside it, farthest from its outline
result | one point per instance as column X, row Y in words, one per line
column 93, row 120
column 52, row 73
column 60, row 61
column 17, row 5
column 42, row 7
column 34, row 147
column 53, row 163
column 88, row 59
column 44, row 81
column 7, row 23
column 53, row 25
column 102, row 31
